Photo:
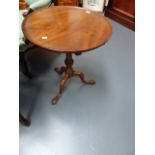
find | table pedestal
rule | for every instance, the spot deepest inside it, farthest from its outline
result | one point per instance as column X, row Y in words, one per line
column 69, row 72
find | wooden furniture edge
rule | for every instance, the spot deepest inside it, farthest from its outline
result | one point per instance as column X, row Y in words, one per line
column 22, row 5
column 123, row 19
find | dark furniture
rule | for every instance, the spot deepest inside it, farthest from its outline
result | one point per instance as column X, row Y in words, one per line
column 24, row 120
column 68, row 30
column 122, row 11
column 66, row 2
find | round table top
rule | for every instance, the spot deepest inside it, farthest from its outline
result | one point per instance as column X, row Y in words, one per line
column 67, row 29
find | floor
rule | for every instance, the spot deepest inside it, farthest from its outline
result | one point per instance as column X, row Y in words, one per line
column 88, row 120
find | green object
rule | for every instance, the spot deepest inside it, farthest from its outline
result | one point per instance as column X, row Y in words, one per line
column 33, row 4
column 36, row 4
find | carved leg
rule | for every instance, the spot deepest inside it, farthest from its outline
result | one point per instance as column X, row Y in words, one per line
column 23, row 120
column 69, row 72
column 61, row 88
column 60, row 70
column 81, row 76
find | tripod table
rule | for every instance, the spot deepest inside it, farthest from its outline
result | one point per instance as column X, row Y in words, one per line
column 69, row 30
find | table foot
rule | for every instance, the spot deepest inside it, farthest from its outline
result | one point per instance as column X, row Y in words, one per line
column 69, row 73
column 61, row 88
column 60, row 70
column 81, row 76
column 55, row 99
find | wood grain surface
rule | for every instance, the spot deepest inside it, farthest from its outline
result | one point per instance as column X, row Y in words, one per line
column 66, row 2
column 122, row 12
column 22, row 5
column 67, row 29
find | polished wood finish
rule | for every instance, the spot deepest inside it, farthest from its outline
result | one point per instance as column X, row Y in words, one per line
column 67, row 2
column 68, row 30
column 122, row 11
column 69, row 72
column 22, row 5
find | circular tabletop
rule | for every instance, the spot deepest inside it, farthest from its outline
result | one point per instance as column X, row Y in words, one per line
column 67, row 29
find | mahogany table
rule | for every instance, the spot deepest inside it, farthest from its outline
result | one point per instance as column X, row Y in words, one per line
column 69, row 30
